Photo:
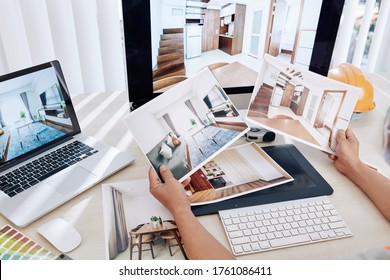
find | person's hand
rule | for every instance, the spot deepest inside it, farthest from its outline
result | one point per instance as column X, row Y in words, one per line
column 170, row 193
column 347, row 152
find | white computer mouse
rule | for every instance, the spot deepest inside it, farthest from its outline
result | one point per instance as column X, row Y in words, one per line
column 61, row 234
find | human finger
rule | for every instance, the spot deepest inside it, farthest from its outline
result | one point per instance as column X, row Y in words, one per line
column 350, row 135
column 166, row 174
column 154, row 181
column 332, row 157
column 186, row 181
column 340, row 135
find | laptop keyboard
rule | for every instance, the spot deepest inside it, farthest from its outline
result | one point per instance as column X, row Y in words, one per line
column 268, row 227
column 41, row 168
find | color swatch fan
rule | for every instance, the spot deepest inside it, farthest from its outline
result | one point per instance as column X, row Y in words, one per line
column 14, row 245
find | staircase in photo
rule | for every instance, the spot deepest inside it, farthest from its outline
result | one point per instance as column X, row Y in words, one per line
column 170, row 60
column 259, row 106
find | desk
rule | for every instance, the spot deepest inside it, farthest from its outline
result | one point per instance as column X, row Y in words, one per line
column 100, row 116
column 166, row 226
column 235, row 75
column 231, row 75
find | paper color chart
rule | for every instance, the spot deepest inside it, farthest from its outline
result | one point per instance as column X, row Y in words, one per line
column 14, row 245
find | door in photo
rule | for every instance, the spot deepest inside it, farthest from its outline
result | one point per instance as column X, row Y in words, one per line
column 255, row 36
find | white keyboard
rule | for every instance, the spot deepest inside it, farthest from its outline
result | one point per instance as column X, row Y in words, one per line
column 284, row 224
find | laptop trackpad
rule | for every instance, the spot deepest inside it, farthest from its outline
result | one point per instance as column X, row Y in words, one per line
column 77, row 178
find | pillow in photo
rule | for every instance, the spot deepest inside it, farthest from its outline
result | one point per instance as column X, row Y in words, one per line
column 166, row 151
column 169, row 142
column 175, row 140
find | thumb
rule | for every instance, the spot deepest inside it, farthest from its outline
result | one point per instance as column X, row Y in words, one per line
column 350, row 135
column 340, row 135
column 154, row 181
column 166, row 174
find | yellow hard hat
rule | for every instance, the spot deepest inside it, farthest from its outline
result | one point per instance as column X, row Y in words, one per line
column 352, row 75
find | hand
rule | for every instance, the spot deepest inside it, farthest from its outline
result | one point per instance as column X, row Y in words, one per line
column 170, row 193
column 347, row 152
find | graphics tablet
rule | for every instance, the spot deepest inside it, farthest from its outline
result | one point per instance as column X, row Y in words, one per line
column 307, row 183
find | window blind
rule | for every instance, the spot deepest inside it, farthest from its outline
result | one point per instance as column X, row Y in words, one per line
column 85, row 36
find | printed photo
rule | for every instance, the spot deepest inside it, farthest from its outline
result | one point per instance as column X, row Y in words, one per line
column 235, row 171
column 127, row 207
column 228, row 37
column 187, row 125
column 303, row 105
column 32, row 113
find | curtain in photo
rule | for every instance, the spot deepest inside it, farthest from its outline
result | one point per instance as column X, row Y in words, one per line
column 117, row 239
column 206, row 100
column 1, row 119
column 192, row 109
column 23, row 95
column 169, row 122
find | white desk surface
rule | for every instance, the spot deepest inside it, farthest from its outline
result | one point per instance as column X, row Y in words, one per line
column 100, row 116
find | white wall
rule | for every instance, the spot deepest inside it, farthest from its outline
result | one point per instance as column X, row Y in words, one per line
column 169, row 18
column 250, row 9
column 290, row 27
column 310, row 16
column 156, row 26
column 45, row 80
column 3, row 61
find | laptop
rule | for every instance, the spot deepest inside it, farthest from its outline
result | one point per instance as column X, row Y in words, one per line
column 45, row 159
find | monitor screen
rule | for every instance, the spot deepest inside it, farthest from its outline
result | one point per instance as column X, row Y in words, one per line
column 35, row 111
column 167, row 41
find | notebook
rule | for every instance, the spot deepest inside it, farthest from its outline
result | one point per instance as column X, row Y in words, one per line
column 45, row 159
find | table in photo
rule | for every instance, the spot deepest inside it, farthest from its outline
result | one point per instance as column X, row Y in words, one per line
column 159, row 228
column 21, row 124
column 195, row 131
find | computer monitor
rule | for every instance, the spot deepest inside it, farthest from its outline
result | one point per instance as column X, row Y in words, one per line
column 228, row 36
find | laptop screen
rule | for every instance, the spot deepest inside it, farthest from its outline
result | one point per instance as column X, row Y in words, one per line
column 35, row 112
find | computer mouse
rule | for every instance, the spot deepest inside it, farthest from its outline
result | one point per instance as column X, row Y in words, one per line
column 61, row 234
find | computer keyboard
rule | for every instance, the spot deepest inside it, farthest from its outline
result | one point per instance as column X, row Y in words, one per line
column 272, row 226
column 26, row 176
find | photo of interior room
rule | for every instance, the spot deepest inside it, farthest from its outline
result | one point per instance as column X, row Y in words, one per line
column 32, row 113
column 187, row 124
column 229, row 35
column 235, row 171
column 299, row 103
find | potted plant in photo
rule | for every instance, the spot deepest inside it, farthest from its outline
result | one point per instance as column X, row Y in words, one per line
column 193, row 122
column 22, row 115
column 154, row 220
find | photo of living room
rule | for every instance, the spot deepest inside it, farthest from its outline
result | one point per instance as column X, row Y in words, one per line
column 235, row 171
column 302, row 104
column 187, row 125
column 32, row 113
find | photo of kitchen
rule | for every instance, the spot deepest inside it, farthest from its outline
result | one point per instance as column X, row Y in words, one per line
column 230, row 37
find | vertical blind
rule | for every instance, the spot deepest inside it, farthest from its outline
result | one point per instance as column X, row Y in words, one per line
column 380, row 40
column 84, row 36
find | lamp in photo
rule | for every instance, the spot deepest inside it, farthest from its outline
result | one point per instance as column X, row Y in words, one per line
column 352, row 75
